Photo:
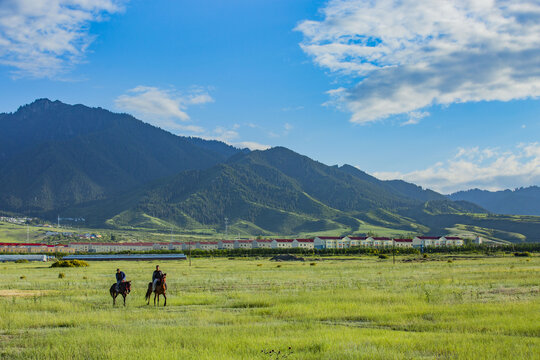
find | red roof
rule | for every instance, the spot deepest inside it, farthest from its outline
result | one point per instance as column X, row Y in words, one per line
column 244, row 241
column 403, row 240
column 228, row 241
column 358, row 237
column 263, row 240
column 284, row 240
column 428, row 237
column 381, row 238
column 305, row 240
column 452, row 238
column 329, row 237
column 22, row 244
column 208, row 242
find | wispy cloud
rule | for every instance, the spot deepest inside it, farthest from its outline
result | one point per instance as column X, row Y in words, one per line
column 165, row 108
column 489, row 168
column 231, row 137
column 45, row 38
column 410, row 54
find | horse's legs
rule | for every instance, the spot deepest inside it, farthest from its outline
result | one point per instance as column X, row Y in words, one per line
column 124, row 295
column 165, row 296
column 155, row 294
column 113, row 299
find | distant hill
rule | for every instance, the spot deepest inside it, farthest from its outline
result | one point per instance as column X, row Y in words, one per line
column 54, row 155
column 118, row 172
column 275, row 191
column 522, row 201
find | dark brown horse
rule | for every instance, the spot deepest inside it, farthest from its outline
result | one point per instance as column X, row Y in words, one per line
column 125, row 289
column 161, row 286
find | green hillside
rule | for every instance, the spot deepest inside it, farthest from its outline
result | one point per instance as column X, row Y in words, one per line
column 54, row 155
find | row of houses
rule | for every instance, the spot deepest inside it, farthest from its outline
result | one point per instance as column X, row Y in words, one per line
column 35, row 248
column 320, row 242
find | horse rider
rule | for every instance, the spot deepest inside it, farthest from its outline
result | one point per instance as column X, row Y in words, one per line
column 157, row 275
column 120, row 277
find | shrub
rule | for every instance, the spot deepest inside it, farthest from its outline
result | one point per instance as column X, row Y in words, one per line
column 424, row 256
column 278, row 266
column 382, row 256
column 522, row 254
column 259, row 264
column 450, row 260
column 22, row 277
column 69, row 263
column 61, row 275
column 21, row 261
column 312, row 264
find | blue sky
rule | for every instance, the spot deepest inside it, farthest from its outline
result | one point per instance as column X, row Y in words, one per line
column 449, row 103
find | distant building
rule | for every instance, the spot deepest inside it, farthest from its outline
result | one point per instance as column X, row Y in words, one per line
column 226, row 244
column 262, row 244
column 403, row 243
column 243, row 244
column 326, row 242
column 303, row 243
column 282, row 243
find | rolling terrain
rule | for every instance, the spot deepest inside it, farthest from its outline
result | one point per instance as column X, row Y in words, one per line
column 120, row 173
column 522, row 201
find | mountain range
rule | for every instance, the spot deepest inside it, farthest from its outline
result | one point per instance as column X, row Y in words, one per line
column 119, row 172
column 522, row 201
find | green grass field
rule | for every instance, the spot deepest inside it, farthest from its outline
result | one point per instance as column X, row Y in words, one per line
column 360, row 308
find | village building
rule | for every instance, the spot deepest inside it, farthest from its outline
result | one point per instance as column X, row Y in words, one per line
column 226, row 244
column 424, row 241
column 357, row 240
column 403, row 243
column 452, row 241
column 303, row 243
column 282, row 243
column 243, row 244
column 262, row 244
column 326, row 242
column 208, row 245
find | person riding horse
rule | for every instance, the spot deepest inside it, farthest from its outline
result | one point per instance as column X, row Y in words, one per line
column 120, row 277
column 157, row 276
column 122, row 287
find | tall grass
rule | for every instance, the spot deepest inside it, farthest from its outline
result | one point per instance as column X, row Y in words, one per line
column 365, row 308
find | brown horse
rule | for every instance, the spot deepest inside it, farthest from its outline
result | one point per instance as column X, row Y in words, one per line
column 161, row 286
column 125, row 289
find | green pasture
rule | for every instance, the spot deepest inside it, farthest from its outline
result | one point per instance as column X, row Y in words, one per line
column 354, row 308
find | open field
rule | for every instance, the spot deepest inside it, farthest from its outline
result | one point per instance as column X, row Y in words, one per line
column 364, row 308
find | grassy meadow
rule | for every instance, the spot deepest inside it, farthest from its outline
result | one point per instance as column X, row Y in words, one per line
column 351, row 308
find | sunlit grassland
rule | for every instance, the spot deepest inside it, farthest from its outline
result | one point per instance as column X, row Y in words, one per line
column 364, row 308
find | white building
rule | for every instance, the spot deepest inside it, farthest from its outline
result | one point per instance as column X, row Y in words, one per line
column 381, row 241
column 451, row 241
column 282, row 243
column 208, row 245
column 326, row 242
column 243, row 244
column 226, row 244
column 303, row 243
column 358, row 240
column 262, row 244
column 424, row 241
column 403, row 243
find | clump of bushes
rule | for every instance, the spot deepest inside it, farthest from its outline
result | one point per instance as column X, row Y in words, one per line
column 424, row 256
column 278, row 266
column 312, row 264
column 69, row 263
column 22, row 277
column 61, row 275
column 450, row 260
column 382, row 256
column 522, row 254
column 259, row 264
column 21, row 261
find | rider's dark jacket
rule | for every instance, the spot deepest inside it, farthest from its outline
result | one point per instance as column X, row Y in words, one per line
column 120, row 276
column 157, row 275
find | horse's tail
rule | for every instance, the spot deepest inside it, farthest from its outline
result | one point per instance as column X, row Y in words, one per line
column 148, row 292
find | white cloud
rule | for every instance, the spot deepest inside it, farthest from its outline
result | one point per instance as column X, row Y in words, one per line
column 162, row 107
column 410, row 54
column 415, row 117
column 230, row 137
column 43, row 38
column 490, row 169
